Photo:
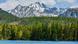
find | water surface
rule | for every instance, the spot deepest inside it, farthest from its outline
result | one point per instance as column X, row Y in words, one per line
column 37, row 42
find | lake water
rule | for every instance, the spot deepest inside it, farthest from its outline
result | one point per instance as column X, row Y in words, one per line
column 38, row 42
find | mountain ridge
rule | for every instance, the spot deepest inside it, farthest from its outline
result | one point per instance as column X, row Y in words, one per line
column 40, row 9
column 34, row 9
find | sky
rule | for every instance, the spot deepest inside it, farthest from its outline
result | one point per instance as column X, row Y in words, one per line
column 11, row 4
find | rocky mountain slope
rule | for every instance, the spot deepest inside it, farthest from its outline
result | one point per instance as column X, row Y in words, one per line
column 40, row 9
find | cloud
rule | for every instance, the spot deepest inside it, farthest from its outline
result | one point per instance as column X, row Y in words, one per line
column 69, row 1
column 48, row 2
column 74, row 6
column 10, row 4
column 28, row 2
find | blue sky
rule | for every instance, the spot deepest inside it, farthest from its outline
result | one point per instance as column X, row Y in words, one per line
column 10, row 4
column 2, row 1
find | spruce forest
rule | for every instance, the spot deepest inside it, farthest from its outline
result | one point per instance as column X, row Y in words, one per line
column 41, row 28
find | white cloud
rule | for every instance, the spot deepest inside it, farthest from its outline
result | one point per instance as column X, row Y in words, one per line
column 69, row 1
column 28, row 2
column 48, row 2
column 10, row 4
column 74, row 6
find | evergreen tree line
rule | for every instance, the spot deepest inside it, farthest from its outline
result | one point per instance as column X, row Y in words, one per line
column 52, row 30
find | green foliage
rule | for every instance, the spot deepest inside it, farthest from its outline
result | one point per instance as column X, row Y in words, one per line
column 41, row 28
column 6, row 17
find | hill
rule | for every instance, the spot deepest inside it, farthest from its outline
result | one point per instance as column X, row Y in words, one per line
column 7, row 17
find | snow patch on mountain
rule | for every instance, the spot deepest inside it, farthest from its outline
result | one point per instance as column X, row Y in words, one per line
column 36, row 9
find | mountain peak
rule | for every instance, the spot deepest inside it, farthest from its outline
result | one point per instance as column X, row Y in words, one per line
column 38, row 4
column 34, row 9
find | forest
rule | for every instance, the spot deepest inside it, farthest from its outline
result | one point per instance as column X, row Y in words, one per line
column 41, row 28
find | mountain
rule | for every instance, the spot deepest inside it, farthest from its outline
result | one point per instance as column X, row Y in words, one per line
column 6, row 17
column 71, row 12
column 35, row 9
column 40, row 9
